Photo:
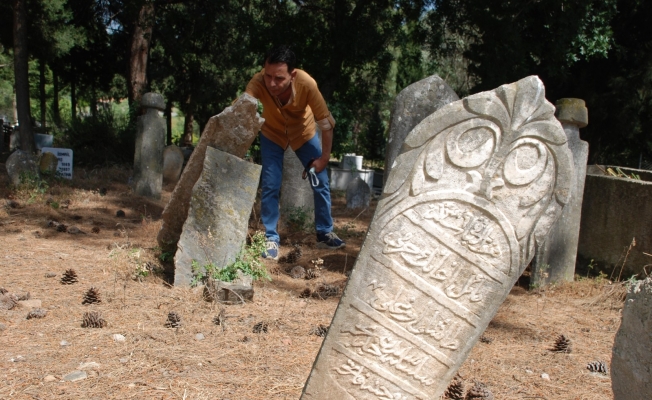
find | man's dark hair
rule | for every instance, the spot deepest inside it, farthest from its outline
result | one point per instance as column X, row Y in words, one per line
column 281, row 54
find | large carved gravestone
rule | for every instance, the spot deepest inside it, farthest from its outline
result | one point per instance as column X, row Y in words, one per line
column 476, row 184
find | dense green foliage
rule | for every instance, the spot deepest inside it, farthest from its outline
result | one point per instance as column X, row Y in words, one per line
column 201, row 54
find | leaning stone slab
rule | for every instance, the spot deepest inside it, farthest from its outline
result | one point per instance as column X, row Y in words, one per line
column 631, row 359
column 476, row 185
column 411, row 106
column 232, row 131
column 216, row 228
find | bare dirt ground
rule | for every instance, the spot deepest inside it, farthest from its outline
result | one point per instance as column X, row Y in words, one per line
column 231, row 361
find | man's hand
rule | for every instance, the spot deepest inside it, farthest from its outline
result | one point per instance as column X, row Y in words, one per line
column 326, row 146
column 320, row 164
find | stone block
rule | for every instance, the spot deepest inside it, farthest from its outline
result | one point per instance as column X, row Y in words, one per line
column 631, row 359
column 21, row 163
column 232, row 131
column 172, row 164
column 411, row 106
column 476, row 185
column 218, row 217
column 358, row 194
column 153, row 100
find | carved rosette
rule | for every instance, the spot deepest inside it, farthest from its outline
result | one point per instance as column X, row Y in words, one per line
column 476, row 185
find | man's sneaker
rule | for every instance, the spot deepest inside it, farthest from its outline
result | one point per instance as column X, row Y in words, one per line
column 329, row 241
column 271, row 250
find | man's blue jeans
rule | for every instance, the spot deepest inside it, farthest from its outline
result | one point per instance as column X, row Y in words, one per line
column 272, row 176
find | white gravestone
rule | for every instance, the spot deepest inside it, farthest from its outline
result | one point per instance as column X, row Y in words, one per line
column 64, row 169
column 476, row 184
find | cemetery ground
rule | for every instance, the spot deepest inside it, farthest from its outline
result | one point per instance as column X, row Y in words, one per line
column 260, row 350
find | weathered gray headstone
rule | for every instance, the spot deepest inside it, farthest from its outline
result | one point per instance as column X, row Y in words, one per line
column 476, row 185
column 232, row 131
column 296, row 193
column 554, row 260
column 358, row 194
column 150, row 141
column 218, row 217
column 21, row 163
column 631, row 359
column 172, row 163
column 411, row 106
column 48, row 163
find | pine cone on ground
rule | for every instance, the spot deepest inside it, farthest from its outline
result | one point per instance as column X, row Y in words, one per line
column 8, row 301
column 69, row 277
column 486, row 339
column 293, row 256
column 305, row 293
column 93, row 319
column 173, row 321
column 95, row 229
column 92, row 296
column 37, row 313
column 312, row 273
column 62, row 228
column 3, row 290
column 562, row 345
column 325, row 291
column 320, row 330
column 479, row 392
column 298, row 272
column 219, row 318
column 260, row 327
column 455, row 391
column 598, row 366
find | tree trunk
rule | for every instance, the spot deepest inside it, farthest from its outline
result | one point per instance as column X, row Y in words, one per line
column 42, row 97
column 168, row 121
column 56, row 114
column 139, row 50
column 73, row 99
column 21, row 76
column 187, row 128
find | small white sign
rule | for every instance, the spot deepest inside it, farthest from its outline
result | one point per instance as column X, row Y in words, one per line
column 64, row 169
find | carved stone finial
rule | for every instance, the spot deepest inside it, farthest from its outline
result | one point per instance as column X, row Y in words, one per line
column 153, row 100
column 572, row 111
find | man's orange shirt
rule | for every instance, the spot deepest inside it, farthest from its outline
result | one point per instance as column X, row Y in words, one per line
column 293, row 123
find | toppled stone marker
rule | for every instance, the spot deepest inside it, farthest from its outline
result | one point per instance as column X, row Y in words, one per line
column 476, row 185
column 232, row 131
column 216, row 228
column 631, row 359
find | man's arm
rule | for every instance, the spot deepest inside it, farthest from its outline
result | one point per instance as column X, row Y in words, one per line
column 326, row 146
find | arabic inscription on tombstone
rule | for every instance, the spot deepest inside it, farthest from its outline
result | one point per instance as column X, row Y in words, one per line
column 477, row 183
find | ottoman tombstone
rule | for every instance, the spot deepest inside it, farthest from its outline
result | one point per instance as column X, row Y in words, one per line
column 476, row 185
column 411, row 106
column 150, row 141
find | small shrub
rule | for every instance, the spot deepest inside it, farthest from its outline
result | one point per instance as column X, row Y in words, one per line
column 247, row 261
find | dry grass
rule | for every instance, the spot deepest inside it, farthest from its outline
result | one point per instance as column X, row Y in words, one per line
column 232, row 362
